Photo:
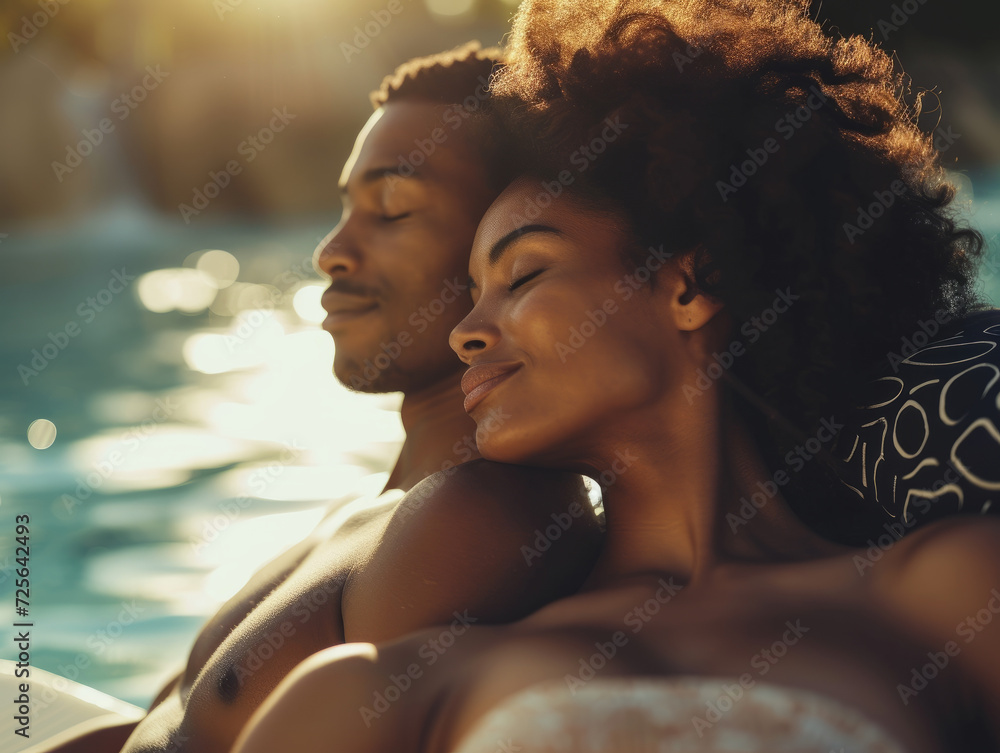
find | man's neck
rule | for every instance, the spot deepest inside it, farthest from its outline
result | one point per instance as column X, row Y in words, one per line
column 439, row 433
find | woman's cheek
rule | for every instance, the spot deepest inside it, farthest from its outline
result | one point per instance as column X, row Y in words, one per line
column 625, row 367
column 558, row 324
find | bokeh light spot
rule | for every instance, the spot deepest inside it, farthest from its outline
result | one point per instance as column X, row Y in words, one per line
column 41, row 434
column 306, row 303
column 187, row 290
column 222, row 266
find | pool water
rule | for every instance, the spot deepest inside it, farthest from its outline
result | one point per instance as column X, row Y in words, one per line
column 190, row 447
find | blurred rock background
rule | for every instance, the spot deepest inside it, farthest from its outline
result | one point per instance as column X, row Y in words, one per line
column 229, row 62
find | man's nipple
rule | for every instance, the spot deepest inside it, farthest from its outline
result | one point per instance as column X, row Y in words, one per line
column 229, row 685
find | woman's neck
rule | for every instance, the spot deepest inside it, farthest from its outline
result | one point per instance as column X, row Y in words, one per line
column 679, row 508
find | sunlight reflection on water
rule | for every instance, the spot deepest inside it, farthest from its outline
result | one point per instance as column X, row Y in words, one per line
column 200, row 433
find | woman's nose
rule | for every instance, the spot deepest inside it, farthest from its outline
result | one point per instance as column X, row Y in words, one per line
column 473, row 335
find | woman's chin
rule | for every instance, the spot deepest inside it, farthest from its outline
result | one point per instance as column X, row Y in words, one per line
column 501, row 453
column 503, row 449
column 515, row 450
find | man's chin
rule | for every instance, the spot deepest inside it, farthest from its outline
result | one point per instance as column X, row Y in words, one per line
column 368, row 378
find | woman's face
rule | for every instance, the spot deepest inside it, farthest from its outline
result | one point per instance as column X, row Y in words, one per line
column 566, row 347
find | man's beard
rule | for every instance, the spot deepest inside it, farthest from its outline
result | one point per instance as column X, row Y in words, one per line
column 367, row 378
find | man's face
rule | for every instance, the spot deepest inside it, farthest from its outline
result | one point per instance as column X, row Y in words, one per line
column 414, row 189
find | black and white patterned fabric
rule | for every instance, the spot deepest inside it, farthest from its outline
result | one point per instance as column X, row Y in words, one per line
column 924, row 441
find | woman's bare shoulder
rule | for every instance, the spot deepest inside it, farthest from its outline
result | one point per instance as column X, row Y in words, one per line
column 949, row 558
column 942, row 583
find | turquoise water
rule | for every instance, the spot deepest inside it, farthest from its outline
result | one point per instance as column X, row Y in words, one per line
column 190, row 447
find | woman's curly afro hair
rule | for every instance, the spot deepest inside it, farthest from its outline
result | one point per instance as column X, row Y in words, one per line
column 780, row 157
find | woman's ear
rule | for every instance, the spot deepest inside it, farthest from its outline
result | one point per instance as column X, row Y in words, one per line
column 691, row 308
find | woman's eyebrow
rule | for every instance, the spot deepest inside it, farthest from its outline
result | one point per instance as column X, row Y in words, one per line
column 501, row 245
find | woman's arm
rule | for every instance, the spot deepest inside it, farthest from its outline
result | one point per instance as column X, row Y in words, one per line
column 321, row 706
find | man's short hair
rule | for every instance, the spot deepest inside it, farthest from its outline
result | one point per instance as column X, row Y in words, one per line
column 446, row 78
column 460, row 77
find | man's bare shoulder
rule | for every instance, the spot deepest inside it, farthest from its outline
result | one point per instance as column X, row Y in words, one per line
column 516, row 489
column 358, row 514
column 495, row 539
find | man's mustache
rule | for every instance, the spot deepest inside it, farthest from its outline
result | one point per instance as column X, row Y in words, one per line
column 349, row 287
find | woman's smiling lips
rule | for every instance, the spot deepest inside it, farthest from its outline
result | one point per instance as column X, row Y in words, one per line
column 480, row 379
column 342, row 308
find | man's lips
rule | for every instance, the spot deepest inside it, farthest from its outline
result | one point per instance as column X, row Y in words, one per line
column 479, row 380
column 343, row 307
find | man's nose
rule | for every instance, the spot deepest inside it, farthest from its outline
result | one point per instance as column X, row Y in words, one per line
column 336, row 255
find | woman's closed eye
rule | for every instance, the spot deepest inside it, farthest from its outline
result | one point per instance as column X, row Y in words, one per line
column 526, row 278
